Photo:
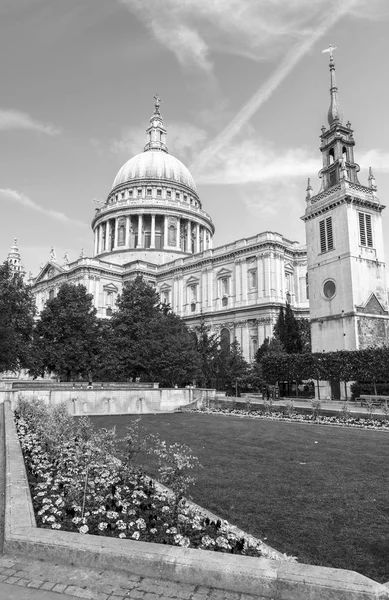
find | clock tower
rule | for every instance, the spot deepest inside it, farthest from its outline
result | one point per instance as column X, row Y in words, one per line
column 345, row 248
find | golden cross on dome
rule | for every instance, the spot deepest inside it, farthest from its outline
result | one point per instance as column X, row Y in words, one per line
column 330, row 49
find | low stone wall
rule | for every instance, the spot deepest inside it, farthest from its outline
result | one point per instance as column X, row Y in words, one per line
column 264, row 578
column 224, row 403
column 103, row 401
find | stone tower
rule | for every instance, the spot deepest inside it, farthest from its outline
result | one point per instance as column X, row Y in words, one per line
column 15, row 261
column 345, row 247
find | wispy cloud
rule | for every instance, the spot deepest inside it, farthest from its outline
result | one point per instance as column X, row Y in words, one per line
column 194, row 30
column 14, row 119
column 377, row 159
column 256, row 160
column 19, row 198
column 183, row 140
column 268, row 88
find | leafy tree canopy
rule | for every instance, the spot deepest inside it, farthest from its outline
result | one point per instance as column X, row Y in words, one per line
column 17, row 310
column 67, row 335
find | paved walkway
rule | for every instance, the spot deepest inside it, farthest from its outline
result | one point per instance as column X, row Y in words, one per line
column 22, row 578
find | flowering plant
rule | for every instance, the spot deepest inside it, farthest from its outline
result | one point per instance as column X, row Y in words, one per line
column 82, row 486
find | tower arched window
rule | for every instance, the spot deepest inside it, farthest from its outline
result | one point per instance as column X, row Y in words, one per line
column 331, row 156
column 344, row 153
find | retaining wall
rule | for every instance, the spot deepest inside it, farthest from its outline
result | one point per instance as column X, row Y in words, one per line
column 102, row 401
column 264, row 578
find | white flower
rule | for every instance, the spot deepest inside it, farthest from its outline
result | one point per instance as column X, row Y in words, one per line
column 84, row 529
column 102, row 526
column 222, row 543
column 207, row 541
column 76, row 520
column 171, row 530
column 140, row 523
column 153, row 530
column 122, row 535
column 56, row 526
column 135, row 535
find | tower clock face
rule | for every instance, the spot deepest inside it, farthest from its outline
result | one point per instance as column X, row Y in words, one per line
column 329, row 289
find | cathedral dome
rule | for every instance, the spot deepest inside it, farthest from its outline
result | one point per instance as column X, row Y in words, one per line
column 155, row 165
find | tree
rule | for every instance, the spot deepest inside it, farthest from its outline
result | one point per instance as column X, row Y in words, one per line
column 207, row 348
column 288, row 331
column 17, row 310
column 236, row 367
column 148, row 341
column 66, row 335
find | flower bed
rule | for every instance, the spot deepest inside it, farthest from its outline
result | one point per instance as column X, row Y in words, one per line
column 314, row 418
column 76, row 485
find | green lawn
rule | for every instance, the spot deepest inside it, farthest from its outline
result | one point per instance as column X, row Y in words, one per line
column 316, row 492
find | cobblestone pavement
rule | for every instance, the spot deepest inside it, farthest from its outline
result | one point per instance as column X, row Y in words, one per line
column 22, row 578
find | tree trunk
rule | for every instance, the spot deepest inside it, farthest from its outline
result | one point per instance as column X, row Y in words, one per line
column 318, row 389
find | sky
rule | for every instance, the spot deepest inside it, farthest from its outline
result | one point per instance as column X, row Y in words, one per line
column 244, row 88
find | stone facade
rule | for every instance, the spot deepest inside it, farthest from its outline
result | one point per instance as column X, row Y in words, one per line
column 153, row 224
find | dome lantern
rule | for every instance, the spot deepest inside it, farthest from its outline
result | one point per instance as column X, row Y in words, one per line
column 156, row 131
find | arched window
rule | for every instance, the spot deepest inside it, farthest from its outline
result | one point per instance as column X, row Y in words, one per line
column 225, row 338
column 331, row 156
column 344, row 153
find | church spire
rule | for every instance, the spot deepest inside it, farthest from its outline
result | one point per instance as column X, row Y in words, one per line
column 156, row 131
column 335, row 113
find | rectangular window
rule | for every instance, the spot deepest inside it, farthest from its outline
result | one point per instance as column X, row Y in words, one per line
column 149, row 191
column 159, row 192
column 365, row 230
column 177, row 195
column 169, row 193
column 139, row 191
column 326, row 235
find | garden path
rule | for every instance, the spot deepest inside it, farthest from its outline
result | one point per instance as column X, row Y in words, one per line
column 23, row 578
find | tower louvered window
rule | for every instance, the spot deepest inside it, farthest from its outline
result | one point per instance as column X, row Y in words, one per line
column 365, row 230
column 326, row 235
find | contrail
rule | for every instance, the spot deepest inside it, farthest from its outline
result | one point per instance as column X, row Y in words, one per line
column 267, row 89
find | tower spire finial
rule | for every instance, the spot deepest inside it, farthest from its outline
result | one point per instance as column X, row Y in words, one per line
column 156, row 131
column 335, row 113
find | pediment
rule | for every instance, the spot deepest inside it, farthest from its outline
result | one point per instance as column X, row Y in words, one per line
column 192, row 280
column 49, row 271
column 223, row 273
column 165, row 287
column 372, row 306
column 288, row 267
column 110, row 287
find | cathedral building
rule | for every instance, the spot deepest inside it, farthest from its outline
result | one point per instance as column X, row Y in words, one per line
column 153, row 224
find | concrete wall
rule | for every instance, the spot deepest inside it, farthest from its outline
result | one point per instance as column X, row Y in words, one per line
column 110, row 401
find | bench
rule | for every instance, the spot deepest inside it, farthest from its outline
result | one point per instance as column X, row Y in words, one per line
column 372, row 399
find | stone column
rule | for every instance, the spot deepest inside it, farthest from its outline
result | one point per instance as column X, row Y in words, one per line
column 116, row 233
column 178, row 233
column 204, row 238
column 210, row 245
column 238, row 283
column 128, row 225
column 106, row 236
column 140, row 227
column 165, row 232
column 197, row 237
column 244, row 282
column 97, row 233
column 188, row 241
column 260, row 290
column 152, row 242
